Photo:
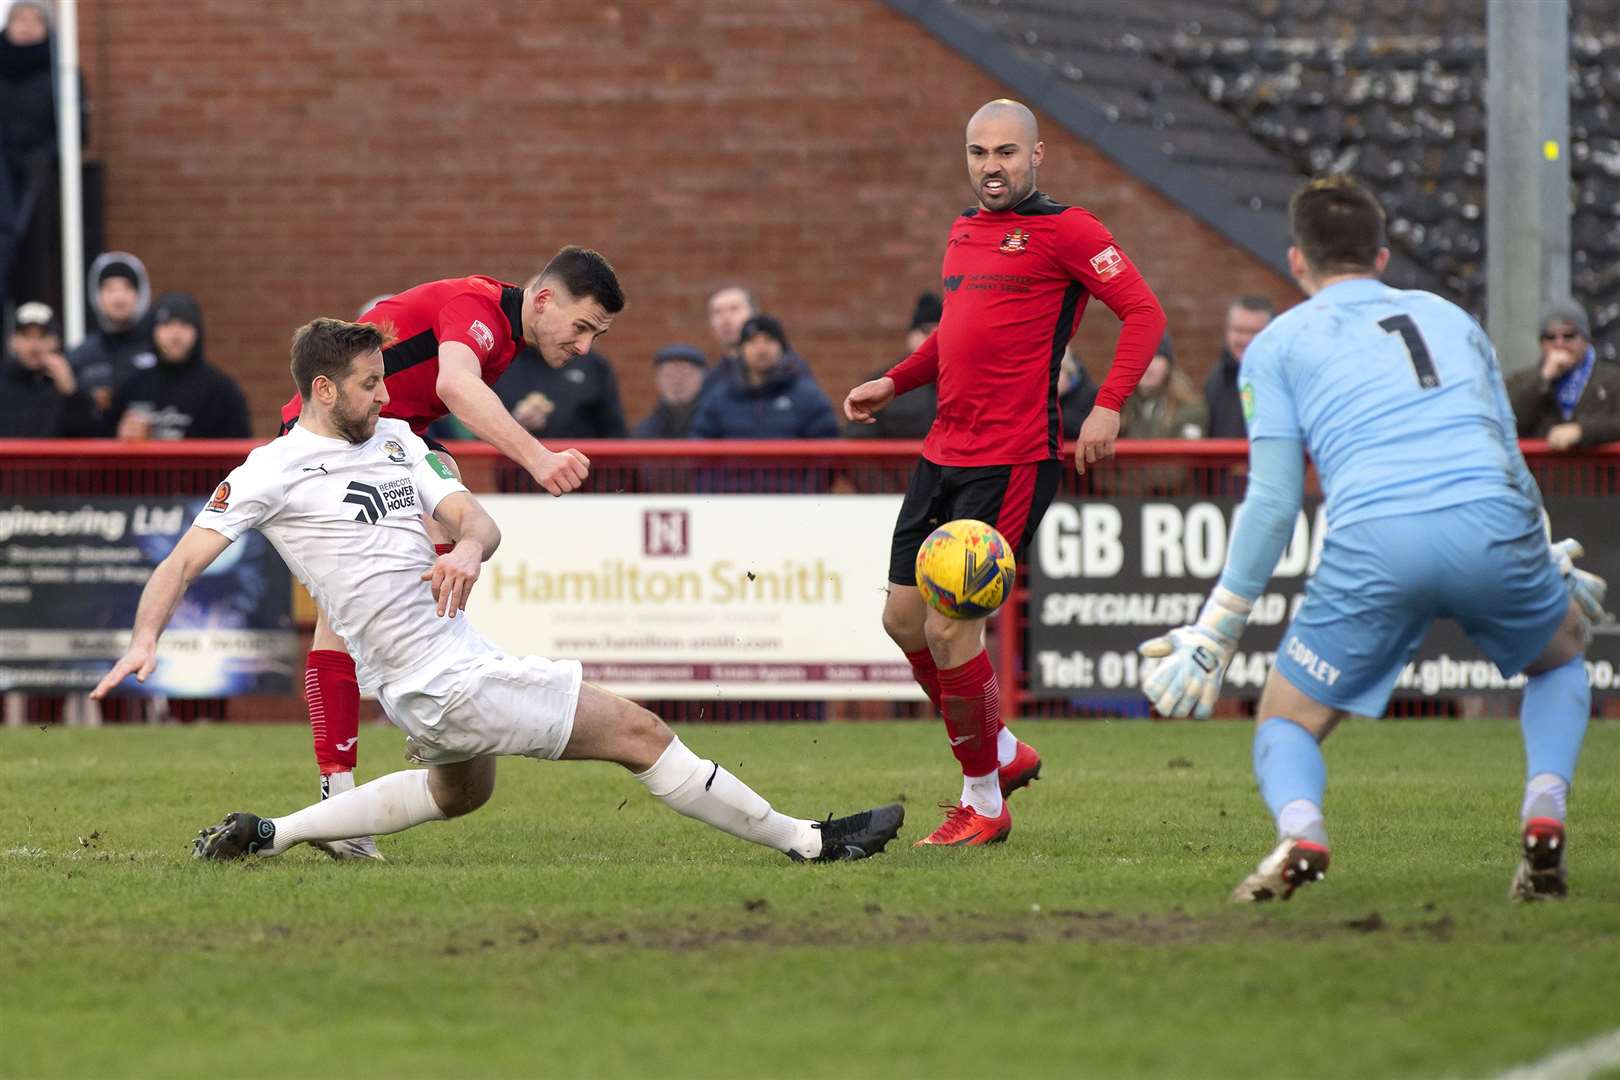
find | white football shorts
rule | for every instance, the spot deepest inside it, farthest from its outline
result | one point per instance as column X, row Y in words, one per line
column 487, row 704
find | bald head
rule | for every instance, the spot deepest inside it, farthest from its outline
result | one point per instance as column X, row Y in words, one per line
column 1003, row 152
column 1008, row 115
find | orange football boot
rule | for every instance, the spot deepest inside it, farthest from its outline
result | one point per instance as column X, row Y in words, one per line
column 1024, row 767
column 966, row 827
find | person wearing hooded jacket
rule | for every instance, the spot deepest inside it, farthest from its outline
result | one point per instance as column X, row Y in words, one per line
column 183, row 396
column 28, row 143
column 120, row 297
column 770, row 397
column 28, row 90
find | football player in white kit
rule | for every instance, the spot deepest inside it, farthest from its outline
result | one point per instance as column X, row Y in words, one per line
column 341, row 497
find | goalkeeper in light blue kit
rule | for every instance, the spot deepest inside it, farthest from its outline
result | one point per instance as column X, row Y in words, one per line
column 1431, row 513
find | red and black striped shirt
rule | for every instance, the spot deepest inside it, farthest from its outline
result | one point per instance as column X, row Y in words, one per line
column 1015, row 284
column 483, row 314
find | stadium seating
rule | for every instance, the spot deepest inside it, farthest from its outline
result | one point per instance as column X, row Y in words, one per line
column 1262, row 92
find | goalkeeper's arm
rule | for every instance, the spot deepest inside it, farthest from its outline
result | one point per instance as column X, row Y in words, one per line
column 1188, row 662
column 1265, row 521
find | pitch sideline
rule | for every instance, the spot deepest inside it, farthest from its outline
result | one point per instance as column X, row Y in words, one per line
column 1579, row 1062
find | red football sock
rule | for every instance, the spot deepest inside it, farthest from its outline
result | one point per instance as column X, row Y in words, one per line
column 926, row 674
column 334, row 709
column 971, row 704
column 443, row 549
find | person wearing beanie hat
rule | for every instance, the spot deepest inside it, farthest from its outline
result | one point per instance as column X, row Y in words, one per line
column 183, row 396
column 1568, row 398
column 763, row 324
column 120, row 298
column 770, row 398
column 926, row 315
column 678, row 372
column 731, row 307
column 1166, row 405
column 39, row 397
column 911, row 415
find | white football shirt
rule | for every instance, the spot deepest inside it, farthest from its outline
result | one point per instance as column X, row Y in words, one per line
column 346, row 519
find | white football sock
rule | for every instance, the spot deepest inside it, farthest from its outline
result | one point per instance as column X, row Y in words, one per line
column 689, row 785
column 983, row 793
column 1006, row 746
column 1550, row 785
column 388, row 804
column 336, row 783
column 1302, row 819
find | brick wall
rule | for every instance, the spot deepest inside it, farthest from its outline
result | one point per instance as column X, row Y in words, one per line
column 295, row 157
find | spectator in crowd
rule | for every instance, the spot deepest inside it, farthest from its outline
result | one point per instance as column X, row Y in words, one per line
column 1245, row 317
column 678, row 372
column 773, row 397
column 1568, row 398
column 9, row 214
column 27, row 90
column 579, row 400
column 120, row 293
column 39, row 397
column 1077, row 392
column 911, row 414
column 729, row 308
column 1165, row 404
column 28, row 191
column 183, row 396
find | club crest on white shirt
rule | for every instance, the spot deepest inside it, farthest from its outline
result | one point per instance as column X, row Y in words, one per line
column 395, row 452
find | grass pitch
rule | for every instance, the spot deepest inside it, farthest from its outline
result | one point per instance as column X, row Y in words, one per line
column 576, row 928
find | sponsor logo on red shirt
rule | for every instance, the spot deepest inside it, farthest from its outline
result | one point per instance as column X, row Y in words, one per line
column 482, row 334
column 1108, row 262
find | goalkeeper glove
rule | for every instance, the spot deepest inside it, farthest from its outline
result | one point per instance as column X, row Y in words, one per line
column 1183, row 676
column 1588, row 590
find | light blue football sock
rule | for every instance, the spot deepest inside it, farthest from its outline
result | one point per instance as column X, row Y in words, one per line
column 1553, row 717
column 1288, row 764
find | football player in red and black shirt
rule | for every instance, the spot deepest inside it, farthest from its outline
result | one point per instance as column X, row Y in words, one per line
column 449, row 341
column 1018, row 271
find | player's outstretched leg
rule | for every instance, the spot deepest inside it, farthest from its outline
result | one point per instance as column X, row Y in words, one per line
column 387, row 804
column 1292, row 776
column 609, row 728
column 1552, row 717
column 332, row 694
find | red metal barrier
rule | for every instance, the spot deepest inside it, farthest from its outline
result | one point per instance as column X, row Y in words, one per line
column 1170, row 468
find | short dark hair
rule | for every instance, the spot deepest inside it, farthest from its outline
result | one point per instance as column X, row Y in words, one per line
column 327, row 347
column 1337, row 225
column 585, row 273
column 1253, row 302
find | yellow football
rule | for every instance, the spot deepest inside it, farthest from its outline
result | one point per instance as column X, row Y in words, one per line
column 965, row 569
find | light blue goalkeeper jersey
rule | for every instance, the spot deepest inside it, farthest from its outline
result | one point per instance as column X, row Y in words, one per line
column 1397, row 396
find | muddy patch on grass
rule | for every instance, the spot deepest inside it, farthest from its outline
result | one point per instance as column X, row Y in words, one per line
column 1172, row 929
column 872, row 927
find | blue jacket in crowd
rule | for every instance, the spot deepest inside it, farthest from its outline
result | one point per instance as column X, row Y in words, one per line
column 788, row 405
